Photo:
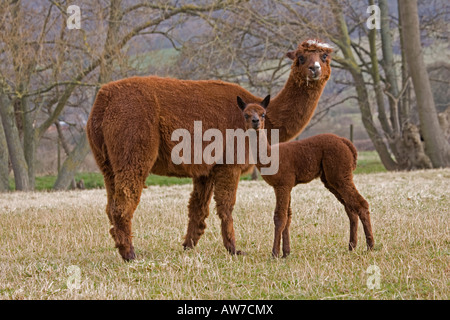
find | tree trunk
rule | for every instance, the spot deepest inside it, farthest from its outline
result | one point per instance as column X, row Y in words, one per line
column 4, row 161
column 388, row 64
column 401, row 133
column 76, row 157
column 73, row 161
column 29, row 142
column 351, row 65
column 375, row 73
column 404, row 105
column 14, row 144
column 367, row 119
column 436, row 147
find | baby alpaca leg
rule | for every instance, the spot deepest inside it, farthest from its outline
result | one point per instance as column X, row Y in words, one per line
column 364, row 216
column 341, row 193
column 286, row 236
column 355, row 206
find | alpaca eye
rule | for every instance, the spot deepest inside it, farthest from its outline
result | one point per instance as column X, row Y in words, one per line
column 246, row 116
column 263, row 115
column 301, row 59
column 324, row 57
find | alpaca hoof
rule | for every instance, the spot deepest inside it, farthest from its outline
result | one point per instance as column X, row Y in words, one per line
column 351, row 247
column 235, row 252
column 127, row 255
column 188, row 245
column 285, row 255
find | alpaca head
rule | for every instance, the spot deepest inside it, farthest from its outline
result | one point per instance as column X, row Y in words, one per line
column 311, row 61
column 254, row 113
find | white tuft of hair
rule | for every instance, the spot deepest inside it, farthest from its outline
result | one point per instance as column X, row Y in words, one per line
column 319, row 44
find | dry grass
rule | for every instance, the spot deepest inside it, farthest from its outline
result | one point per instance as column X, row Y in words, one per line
column 43, row 234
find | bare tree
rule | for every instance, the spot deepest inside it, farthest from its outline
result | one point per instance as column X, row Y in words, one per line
column 4, row 161
column 245, row 46
column 44, row 69
column 31, row 79
column 50, row 73
column 436, row 146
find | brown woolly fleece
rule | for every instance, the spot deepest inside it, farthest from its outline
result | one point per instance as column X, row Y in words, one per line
column 131, row 124
column 327, row 156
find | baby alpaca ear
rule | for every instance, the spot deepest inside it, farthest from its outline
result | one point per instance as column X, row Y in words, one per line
column 291, row 55
column 265, row 102
column 241, row 103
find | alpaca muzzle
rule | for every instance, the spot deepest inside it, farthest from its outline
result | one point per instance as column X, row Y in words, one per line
column 316, row 71
column 255, row 123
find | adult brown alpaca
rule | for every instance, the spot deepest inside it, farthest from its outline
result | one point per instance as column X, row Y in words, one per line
column 131, row 124
column 327, row 156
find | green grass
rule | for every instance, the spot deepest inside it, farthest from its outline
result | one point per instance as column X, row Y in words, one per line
column 368, row 162
column 154, row 180
column 162, row 57
column 94, row 180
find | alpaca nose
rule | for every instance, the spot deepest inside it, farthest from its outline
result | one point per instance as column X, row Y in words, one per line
column 315, row 69
column 255, row 123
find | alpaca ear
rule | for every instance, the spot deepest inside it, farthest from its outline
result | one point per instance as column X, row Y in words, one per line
column 241, row 103
column 291, row 55
column 265, row 102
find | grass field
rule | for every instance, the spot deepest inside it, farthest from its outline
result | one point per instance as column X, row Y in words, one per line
column 368, row 162
column 56, row 245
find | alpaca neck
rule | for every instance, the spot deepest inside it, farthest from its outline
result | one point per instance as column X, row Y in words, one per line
column 264, row 149
column 292, row 109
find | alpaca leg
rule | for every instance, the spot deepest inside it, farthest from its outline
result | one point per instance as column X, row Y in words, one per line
column 198, row 210
column 351, row 215
column 129, row 180
column 355, row 206
column 226, row 179
column 108, row 177
column 286, row 236
column 280, row 218
column 364, row 216
column 353, row 241
column 128, row 189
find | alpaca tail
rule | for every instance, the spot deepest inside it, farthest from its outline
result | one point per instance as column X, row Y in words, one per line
column 94, row 126
column 352, row 148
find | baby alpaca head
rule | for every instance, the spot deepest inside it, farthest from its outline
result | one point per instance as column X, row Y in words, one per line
column 254, row 113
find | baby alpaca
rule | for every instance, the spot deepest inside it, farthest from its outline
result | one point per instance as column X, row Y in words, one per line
column 327, row 156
